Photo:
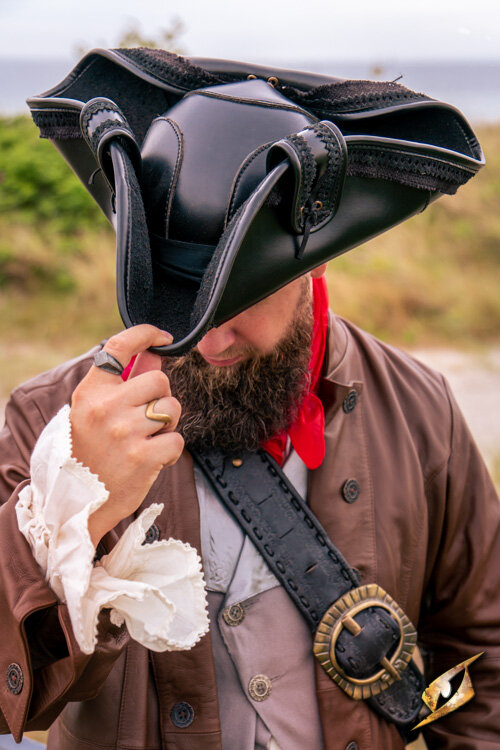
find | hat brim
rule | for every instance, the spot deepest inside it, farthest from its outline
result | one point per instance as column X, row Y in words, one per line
column 404, row 150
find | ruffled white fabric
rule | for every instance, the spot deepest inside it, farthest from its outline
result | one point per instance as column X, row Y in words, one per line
column 156, row 589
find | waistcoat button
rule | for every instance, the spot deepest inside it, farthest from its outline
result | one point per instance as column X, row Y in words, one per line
column 152, row 534
column 352, row 746
column 233, row 615
column 350, row 401
column 182, row 715
column 350, row 490
column 259, row 687
column 15, row 679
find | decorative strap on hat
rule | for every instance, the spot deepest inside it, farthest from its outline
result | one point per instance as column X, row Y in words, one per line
column 101, row 122
column 318, row 158
column 113, row 144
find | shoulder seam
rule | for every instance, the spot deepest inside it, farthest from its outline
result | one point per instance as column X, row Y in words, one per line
column 29, row 387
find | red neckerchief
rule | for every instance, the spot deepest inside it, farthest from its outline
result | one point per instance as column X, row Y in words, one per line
column 307, row 432
column 128, row 369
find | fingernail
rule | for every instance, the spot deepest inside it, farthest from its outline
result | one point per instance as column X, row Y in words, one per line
column 168, row 336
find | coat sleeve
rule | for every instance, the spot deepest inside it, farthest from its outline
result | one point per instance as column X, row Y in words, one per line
column 41, row 666
column 461, row 616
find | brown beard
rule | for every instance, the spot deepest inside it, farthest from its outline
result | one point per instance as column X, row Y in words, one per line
column 240, row 406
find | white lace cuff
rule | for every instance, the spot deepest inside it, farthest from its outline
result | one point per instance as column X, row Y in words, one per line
column 156, row 589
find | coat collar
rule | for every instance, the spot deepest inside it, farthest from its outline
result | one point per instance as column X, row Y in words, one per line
column 340, row 374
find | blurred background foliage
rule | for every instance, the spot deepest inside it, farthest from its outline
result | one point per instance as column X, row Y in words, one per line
column 432, row 280
column 132, row 35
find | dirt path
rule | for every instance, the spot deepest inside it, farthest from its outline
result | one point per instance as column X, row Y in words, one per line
column 475, row 381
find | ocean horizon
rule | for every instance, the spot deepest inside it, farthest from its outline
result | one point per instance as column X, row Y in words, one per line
column 472, row 86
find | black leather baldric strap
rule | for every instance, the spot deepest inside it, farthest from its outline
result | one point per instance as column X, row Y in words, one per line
column 283, row 528
column 312, row 570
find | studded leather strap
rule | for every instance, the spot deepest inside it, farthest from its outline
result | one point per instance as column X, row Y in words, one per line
column 102, row 122
column 311, row 569
column 318, row 158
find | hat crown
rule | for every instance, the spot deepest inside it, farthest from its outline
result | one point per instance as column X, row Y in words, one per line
column 206, row 155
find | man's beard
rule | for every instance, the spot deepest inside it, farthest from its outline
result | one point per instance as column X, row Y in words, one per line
column 240, row 406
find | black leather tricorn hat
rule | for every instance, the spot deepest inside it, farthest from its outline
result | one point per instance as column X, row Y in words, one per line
column 226, row 180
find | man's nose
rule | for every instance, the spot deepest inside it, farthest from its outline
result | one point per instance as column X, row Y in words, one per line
column 217, row 340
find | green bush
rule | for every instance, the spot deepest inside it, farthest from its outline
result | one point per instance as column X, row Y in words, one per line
column 36, row 185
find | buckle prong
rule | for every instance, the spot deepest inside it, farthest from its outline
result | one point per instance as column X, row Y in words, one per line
column 386, row 664
column 351, row 625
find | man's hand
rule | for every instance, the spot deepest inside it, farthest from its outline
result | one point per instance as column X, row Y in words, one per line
column 110, row 431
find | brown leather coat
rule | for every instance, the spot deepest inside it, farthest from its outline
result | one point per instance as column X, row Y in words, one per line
column 425, row 527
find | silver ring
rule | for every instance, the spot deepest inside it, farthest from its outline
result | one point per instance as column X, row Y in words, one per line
column 107, row 362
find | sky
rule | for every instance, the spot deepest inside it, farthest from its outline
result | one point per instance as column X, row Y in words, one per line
column 262, row 30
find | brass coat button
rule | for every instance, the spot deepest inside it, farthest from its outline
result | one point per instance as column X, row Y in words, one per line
column 233, row 615
column 182, row 715
column 350, row 401
column 14, row 678
column 350, row 490
column 259, row 687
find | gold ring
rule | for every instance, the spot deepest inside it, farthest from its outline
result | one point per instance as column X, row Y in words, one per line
column 156, row 416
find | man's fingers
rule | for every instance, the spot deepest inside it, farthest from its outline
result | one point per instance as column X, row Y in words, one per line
column 148, row 385
column 145, row 362
column 165, row 448
column 124, row 345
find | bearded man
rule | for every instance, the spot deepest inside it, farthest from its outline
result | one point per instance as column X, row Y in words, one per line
column 147, row 496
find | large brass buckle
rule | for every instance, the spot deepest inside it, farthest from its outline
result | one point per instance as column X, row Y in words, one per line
column 341, row 615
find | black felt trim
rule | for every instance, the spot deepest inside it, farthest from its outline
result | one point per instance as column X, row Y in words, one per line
column 169, row 67
column 352, row 96
column 412, row 170
column 58, row 124
column 139, row 277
